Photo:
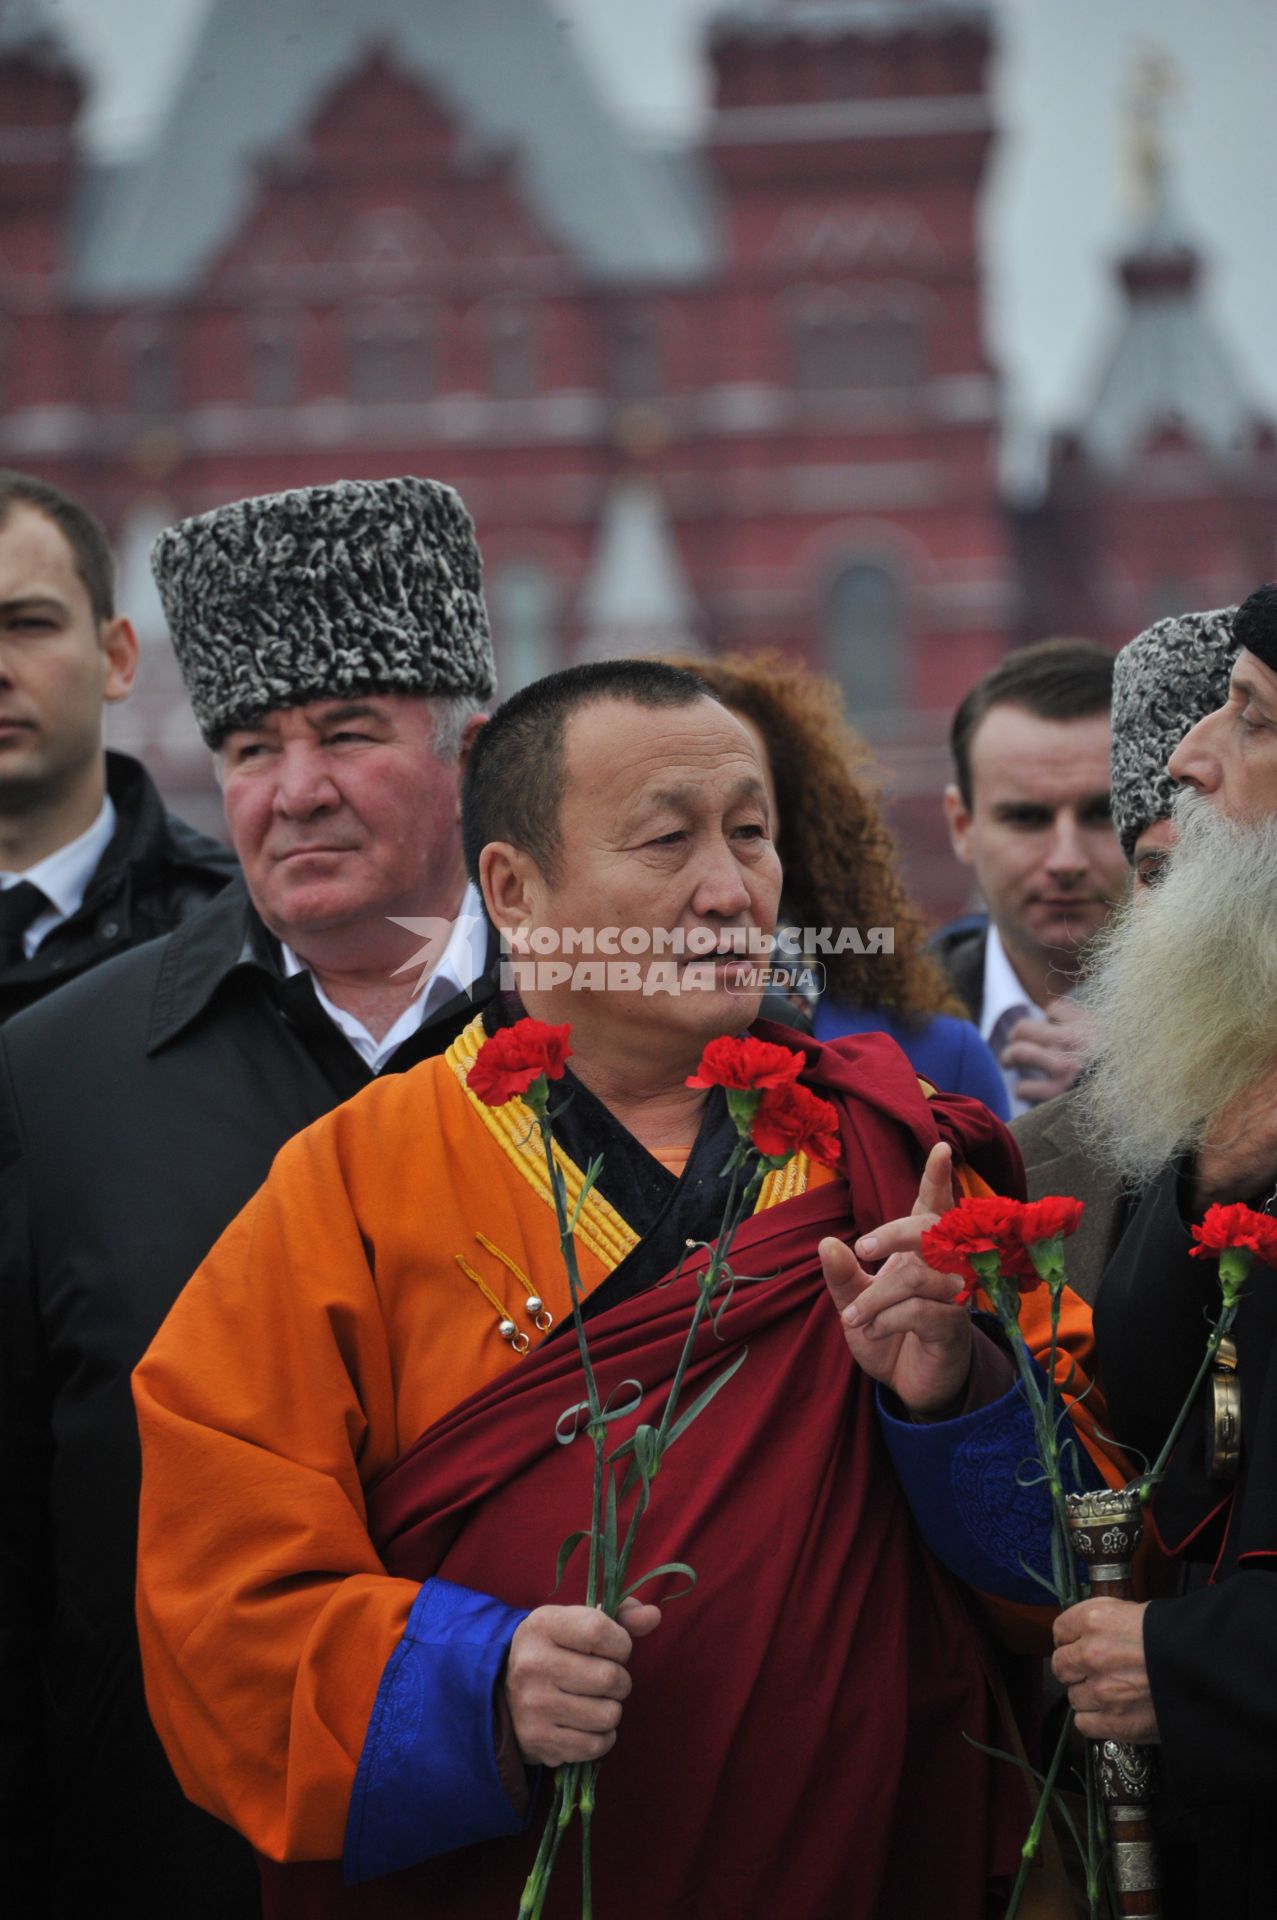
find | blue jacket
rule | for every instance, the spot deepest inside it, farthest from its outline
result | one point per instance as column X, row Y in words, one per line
column 943, row 1049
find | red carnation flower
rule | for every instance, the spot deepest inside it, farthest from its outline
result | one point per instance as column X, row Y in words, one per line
column 791, row 1119
column 1044, row 1219
column 984, row 1224
column 738, row 1060
column 1236, row 1227
column 513, row 1057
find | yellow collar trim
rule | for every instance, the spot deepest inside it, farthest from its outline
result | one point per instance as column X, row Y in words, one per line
column 786, row 1183
column 600, row 1226
column 514, row 1127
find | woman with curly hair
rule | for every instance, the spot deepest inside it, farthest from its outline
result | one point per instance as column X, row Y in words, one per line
column 840, row 867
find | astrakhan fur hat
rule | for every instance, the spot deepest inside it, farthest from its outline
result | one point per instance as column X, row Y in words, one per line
column 366, row 586
column 1164, row 681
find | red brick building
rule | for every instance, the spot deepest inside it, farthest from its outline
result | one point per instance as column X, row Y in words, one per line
column 729, row 395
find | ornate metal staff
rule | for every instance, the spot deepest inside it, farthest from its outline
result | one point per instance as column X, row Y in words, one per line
column 1106, row 1528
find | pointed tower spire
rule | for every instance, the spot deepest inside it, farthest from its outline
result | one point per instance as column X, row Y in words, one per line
column 635, row 598
column 1168, row 373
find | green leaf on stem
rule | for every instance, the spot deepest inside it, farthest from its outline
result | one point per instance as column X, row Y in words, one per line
column 609, row 1535
column 566, row 1551
column 564, row 1433
column 654, row 1573
column 647, row 1452
column 699, row 1405
column 1040, row 1580
column 610, row 1412
column 592, row 1173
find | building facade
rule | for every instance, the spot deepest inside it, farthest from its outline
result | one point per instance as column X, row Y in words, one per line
column 728, row 396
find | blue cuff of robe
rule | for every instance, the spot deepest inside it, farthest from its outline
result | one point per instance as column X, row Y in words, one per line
column 963, row 1481
column 427, row 1778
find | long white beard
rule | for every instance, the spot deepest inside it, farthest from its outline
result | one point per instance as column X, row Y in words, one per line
column 1184, row 986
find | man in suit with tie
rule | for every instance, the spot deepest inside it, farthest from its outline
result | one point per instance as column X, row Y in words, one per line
column 90, row 863
column 1029, row 813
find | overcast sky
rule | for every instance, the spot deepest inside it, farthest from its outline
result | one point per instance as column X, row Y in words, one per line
column 1059, row 199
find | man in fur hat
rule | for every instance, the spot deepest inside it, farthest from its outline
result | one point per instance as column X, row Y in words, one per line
column 1182, row 1104
column 1164, row 682
column 335, row 647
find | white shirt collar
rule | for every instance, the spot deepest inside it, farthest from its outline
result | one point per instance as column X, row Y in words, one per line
column 458, row 967
column 64, row 875
column 1003, row 987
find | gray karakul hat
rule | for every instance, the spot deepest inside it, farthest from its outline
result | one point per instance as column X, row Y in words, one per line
column 365, row 586
column 1165, row 680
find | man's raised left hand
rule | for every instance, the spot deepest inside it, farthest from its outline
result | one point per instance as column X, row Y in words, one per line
column 900, row 1323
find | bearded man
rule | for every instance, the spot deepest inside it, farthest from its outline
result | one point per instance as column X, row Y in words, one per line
column 1183, row 1100
column 1164, row 681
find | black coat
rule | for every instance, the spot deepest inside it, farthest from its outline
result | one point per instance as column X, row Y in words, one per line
column 154, row 873
column 959, row 948
column 1212, row 1650
column 140, row 1108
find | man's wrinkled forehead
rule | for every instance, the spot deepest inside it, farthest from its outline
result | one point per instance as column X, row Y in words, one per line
column 1251, row 679
column 638, row 760
column 685, row 798
column 321, row 716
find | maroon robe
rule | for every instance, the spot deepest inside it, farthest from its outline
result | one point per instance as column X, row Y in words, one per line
column 799, row 1738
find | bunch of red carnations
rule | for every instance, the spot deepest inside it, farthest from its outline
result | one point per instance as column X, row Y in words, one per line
column 775, row 1118
column 1004, row 1248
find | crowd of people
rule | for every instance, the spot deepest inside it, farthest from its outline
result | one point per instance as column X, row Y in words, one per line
column 283, row 1347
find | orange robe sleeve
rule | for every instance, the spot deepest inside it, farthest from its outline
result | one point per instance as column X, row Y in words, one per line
column 336, row 1319
column 1074, row 1356
column 267, row 1397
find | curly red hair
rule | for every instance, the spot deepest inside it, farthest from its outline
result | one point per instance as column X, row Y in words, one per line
column 839, row 856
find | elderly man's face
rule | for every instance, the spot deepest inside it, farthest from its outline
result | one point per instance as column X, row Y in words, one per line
column 340, row 812
column 1230, row 757
column 1039, row 832
column 663, row 827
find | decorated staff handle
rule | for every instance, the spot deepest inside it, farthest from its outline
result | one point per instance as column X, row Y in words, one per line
column 1106, row 1528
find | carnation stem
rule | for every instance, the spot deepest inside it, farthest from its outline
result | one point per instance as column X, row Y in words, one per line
column 534, row 1887
column 585, row 1802
column 1032, row 1840
column 1218, row 1333
column 733, row 1213
column 1005, row 1296
column 575, row 1785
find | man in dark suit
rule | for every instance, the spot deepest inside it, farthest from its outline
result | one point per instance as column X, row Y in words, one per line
column 1028, row 811
column 90, row 863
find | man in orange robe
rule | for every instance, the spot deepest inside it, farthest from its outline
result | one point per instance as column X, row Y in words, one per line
column 353, row 1492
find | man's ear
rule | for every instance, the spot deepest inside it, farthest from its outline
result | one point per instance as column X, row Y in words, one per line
column 958, row 817
column 511, row 883
column 119, row 644
column 469, row 736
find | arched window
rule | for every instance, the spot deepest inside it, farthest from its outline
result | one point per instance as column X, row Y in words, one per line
column 272, row 365
column 510, row 353
column 389, row 356
column 523, row 597
column 635, row 370
column 865, row 640
column 154, row 374
column 838, row 346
